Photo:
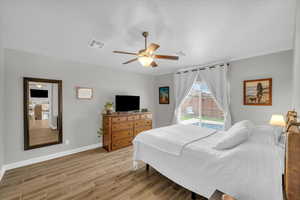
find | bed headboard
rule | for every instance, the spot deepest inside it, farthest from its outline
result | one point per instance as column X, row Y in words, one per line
column 292, row 162
column 291, row 120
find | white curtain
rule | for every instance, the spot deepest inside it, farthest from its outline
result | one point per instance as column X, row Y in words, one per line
column 217, row 81
column 183, row 84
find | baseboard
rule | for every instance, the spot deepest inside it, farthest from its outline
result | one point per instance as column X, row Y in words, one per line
column 2, row 171
column 49, row 157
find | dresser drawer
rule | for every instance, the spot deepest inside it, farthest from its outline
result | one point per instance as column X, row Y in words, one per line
column 141, row 129
column 138, row 130
column 119, row 119
column 148, row 127
column 121, row 143
column 148, row 123
column 149, row 116
column 106, row 130
column 131, row 118
column 122, row 134
column 106, row 124
column 142, row 123
column 105, row 121
column 144, row 116
column 122, row 126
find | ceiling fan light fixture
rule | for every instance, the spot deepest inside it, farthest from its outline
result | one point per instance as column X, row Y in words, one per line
column 145, row 60
column 146, row 56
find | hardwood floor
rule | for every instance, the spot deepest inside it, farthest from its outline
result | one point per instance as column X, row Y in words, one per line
column 93, row 174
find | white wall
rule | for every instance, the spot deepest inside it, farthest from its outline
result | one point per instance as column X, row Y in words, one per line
column 1, row 97
column 164, row 112
column 80, row 117
column 296, row 97
column 277, row 66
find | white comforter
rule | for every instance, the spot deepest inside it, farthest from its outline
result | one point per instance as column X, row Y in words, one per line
column 250, row 171
column 173, row 139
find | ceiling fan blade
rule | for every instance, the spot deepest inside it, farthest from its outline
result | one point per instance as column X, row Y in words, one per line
column 166, row 57
column 152, row 47
column 129, row 61
column 153, row 64
column 124, row 52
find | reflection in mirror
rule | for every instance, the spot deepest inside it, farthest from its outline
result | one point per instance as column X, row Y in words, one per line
column 42, row 115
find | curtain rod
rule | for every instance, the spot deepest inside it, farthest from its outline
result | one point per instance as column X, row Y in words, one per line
column 202, row 68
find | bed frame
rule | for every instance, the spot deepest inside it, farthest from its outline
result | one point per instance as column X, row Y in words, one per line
column 292, row 160
column 193, row 194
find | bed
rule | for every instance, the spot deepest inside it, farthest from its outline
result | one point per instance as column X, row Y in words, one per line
column 250, row 171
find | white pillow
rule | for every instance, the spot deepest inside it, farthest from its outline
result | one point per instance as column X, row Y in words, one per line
column 245, row 123
column 232, row 138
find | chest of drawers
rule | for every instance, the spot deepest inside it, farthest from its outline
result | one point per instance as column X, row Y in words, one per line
column 120, row 129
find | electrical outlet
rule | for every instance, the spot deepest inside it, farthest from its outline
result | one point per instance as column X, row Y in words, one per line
column 67, row 142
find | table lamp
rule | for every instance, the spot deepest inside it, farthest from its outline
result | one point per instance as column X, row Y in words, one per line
column 277, row 120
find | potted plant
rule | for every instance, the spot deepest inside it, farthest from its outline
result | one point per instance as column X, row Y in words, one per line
column 109, row 107
column 100, row 132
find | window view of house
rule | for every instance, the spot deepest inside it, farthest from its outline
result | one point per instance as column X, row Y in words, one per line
column 200, row 108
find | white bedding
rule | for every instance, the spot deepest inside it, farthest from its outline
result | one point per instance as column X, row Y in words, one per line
column 173, row 139
column 250, row 171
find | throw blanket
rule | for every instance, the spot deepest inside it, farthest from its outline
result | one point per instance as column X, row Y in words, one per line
column 173, row 139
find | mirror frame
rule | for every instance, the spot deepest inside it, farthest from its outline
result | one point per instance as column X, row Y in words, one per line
column 26, row 81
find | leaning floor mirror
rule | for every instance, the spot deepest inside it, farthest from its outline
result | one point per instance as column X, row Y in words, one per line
column 42, row 112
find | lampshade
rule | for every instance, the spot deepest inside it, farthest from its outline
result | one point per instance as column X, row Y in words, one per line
column 277, row 120
column 145, row 60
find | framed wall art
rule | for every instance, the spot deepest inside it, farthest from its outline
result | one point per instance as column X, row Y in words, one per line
column 164, row 95
column 258, row 92
column 84, row 93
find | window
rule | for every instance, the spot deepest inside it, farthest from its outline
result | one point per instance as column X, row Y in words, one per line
column 200, row 108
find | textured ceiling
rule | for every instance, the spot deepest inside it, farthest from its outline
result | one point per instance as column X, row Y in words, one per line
column 205, row 30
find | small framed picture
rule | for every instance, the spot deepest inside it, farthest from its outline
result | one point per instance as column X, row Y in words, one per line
column 84, row 93
column 258, row 92
column 164, row 95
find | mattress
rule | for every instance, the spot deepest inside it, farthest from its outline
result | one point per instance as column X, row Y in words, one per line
column 250, row 171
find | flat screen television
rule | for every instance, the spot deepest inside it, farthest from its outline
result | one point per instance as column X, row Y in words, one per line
column 126, row 103
column 38, row 93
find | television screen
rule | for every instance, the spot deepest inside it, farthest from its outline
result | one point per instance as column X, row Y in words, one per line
column 127, row 103
column 38, row 93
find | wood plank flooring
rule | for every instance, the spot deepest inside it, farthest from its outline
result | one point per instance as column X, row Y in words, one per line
column 89, row 175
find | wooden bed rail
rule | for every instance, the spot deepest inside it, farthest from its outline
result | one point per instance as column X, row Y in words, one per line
column 292, row 162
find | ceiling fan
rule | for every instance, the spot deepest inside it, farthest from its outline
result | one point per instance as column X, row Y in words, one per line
column 146, row 56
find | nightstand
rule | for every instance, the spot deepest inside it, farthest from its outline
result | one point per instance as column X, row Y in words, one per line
column 217, row 195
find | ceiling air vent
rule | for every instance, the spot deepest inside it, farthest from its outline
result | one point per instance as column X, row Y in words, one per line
column 96, row 44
